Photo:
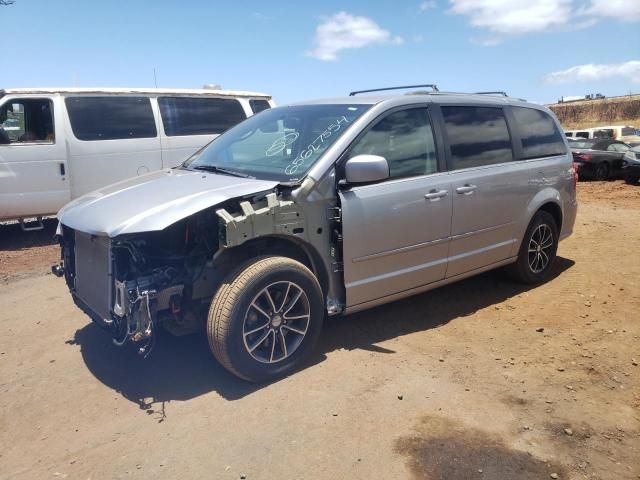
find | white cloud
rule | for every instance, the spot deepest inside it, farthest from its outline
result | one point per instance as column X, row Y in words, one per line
column 343, row 30
column 595, row 72
column 514, row 16
column 428, row 5
column 625, row 10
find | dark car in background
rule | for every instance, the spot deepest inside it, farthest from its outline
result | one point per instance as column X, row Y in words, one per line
column 598, row 159
column 631, row 165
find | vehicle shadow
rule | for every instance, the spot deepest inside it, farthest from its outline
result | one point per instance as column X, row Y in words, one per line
column 13, row 238
column 429, row 310
column 181, row 368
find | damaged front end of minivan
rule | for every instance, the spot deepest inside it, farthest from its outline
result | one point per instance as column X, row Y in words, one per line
column 132, row 283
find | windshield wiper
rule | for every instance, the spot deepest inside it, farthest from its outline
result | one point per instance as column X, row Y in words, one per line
column 216, row 169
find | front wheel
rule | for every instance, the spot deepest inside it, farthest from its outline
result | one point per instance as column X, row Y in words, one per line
column 630, row 180
column 537, row 251
column 265, row 318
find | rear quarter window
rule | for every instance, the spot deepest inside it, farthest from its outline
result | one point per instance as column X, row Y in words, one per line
column 539, row 135
column 477, row 136
column 199, row 116
column 258, row 106
column 111, row 118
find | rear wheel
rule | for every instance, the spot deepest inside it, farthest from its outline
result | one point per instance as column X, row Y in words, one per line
column 602, row 171
column 631, row 180
column 537, row 251
column 265, row 318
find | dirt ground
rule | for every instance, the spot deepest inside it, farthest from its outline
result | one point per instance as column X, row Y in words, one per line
column 482, row 379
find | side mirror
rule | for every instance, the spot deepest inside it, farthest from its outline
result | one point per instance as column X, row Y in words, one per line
column 366, row 169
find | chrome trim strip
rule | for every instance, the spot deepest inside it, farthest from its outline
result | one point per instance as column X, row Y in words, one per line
column 399, row 250
column 483, row 230
column 395, row 273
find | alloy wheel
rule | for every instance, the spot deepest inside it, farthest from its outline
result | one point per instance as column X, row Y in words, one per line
column 276, row 322
column 540, row 248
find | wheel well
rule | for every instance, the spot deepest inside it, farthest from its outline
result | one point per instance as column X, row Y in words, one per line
column 277, row 246
column 554, row 210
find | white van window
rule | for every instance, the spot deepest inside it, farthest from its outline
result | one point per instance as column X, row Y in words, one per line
column 258, row 106
column 111, row 117
column 604, row 133
column 28, row 120
column 539, row 135
column 582, row 134
column 624, row 131
column 199, row 116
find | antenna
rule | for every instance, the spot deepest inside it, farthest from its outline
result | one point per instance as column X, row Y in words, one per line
column 155, row 79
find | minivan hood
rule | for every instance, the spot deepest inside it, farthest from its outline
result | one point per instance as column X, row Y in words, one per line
column 154, row 201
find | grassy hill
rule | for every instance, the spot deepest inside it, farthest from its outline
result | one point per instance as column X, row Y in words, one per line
column 623, row 110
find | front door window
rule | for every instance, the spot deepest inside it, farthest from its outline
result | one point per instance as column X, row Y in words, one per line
column 28, row 120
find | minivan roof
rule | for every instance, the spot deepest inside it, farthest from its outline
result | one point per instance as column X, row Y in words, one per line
column 146, row 91
column 433, row 97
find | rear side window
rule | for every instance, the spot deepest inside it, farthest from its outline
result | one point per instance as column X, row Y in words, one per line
column 618, row 147
column 111, row 118
column 477, row 136
column 405, row 139
column 258, row 106
column 539, row 134
column 199, row 116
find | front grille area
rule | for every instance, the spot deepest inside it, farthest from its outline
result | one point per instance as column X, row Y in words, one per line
column 93, row 280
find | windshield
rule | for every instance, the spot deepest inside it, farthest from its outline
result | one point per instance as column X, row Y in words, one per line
column 277, row 144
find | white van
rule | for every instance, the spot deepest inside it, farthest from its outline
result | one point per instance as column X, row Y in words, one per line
column 614, row 132
column 58, row 144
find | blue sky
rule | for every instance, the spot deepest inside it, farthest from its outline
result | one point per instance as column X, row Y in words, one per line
column 300, row 50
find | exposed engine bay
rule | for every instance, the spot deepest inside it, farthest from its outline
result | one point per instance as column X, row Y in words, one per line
column 163, row 272
column 164, row 277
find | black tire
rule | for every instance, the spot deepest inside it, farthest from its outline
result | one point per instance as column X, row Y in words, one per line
column 601, row 172
column 232, row 311
column 522, row 270
column 631, row 180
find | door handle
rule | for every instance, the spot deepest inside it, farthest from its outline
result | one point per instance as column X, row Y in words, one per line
column 466, row 189
column 62, row 169
column 435, row 194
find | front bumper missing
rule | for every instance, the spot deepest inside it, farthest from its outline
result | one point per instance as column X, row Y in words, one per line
column 125, row 309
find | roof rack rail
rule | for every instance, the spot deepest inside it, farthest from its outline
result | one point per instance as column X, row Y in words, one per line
column 432, row 86
column 504, row 94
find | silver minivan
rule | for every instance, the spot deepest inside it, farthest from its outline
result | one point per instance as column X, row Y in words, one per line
column 320, row 208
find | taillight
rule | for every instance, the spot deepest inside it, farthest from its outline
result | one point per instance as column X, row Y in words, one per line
column 574, row 166
column 587, row 157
